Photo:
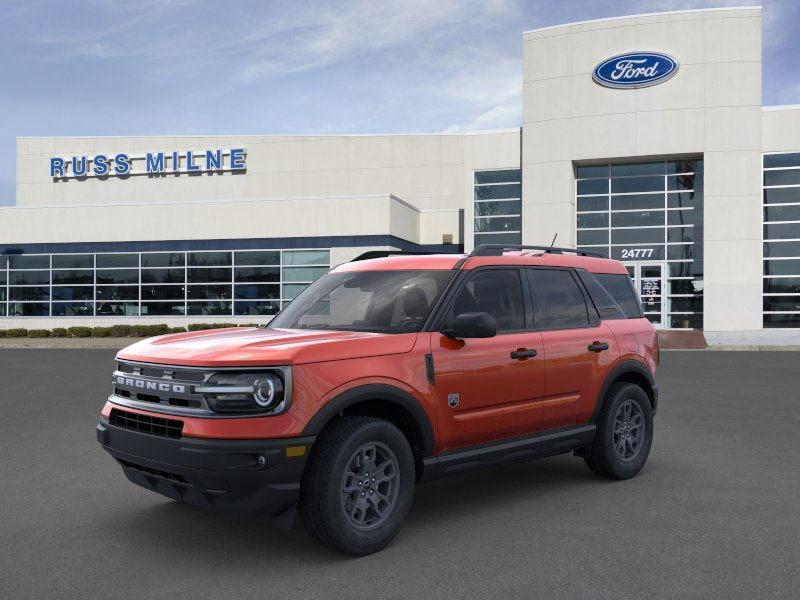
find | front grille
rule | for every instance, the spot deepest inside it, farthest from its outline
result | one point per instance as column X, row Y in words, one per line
column 170, row 428
column 157, row 472
column 161, row 385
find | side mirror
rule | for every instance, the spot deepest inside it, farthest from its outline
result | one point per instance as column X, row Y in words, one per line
column 472, row 325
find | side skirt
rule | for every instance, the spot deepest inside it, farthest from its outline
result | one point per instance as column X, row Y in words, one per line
column 540, row 445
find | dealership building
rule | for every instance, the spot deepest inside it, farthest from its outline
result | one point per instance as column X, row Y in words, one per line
column 643, row 138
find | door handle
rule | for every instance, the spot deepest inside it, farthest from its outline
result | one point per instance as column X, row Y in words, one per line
column 523, row 353
column 598, row 346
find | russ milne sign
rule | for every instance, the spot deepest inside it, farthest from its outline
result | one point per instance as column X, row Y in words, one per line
column 151, row 163
column 635, row 70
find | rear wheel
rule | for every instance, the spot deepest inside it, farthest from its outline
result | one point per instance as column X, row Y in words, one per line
column 357, row 488
column 624, row 433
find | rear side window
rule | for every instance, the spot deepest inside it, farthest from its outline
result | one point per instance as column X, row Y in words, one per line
column 558, row 301
column 606, row 305
column 620, row 288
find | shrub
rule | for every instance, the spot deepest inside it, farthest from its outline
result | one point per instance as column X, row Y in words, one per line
column 80, row 332
column 201, row 326
column 16, row 332
column 38, row 333
column 120, row 330
column 59, row 332
column 177, row 330
column 101, row 332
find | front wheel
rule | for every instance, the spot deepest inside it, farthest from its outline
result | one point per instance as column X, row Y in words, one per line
column 624, row 433
column 357, row 488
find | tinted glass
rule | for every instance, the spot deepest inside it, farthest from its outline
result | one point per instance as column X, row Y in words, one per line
column 637, row 184
column 164, row 259
column 494, row 192
column 637, row 202
column 28, row 277
column 117, row 292
column 163, row 275
column 592, row 186
column 782, row 213
column 29, row 293
column 73, row 292
column 782, row 267
column 497, row 238
column 606, row 306
column 558, row 300
column 683, row 217
column 208, row 308
column 162, row 308
column 593, row 237
column 593, row 220
column 789, row 177
column 680, row 234
column 684, row 199
column 782, row 160
column 257, row 274
column 587, row 171
column 507, row 175
column 271, row 257
column 782, row 285
column 209, row 292
column 506, row 207
column 782, row 231
column 637, row 219
column 792, row 321
column 73, row 277
column 28, row 309
column 782, row 195
column 162, row 292
column 253, row 292
column 303, row 274
column 497, row 292
column 498, row 224
column 209, row 259
column 73, row 309
column 29, row 262
column 637, row 236
column 117, row 309
column 682, row 182
column 621, row 290
column 782, row 249
column 118, row 276
column 782, row 303
column 306, row 257
column 73, row 261
column 684, row 166
column 113, row 261
column 593, row 203
column 256, row 308
column 652, row 168
column 209, row 275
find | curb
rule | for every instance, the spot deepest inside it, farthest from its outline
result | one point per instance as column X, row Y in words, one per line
column 68, row 343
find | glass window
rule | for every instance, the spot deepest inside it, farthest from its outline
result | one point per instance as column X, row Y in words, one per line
column 681, row 182
column 495, row 224
column 73, row 309
column 787, row 320
column 292, row 290
column 117, row 292
column 587, row 171
column 788, row 177
column 29, row 261
column 117, row 309
column 782, row 231
column 2, row 277
column 504, row 207
column 29, row 309
column 558, row 301
column 3, row 262
column 502, row 176
column 29, row 277
column 257, row 274
column 163, row 276
column 637, row 184
column 268, row 257
column 303, row 274
column 375, row 301
column 593, row 203
column 497, row 292
column 684, row 217
column 684, row 166
column 680, row 234
column 651, row 168
column 256, row 308
column 83, row 292
column 256, row 292
column 208, row 308
column 493, row 192
column 306, row 257
column 680, row 251
column 685, row 200
column 29, row 293
column 115, row 261
column 209, row 292
column 782, row 285
column 73, row 261
column 592, row 220
column 782, row 213
column 684, row 286
column 637, row 236
column 789, row 159
column 620, row 287
column 162, row 292
column 497, row 238
column 593, row 236
column 209, row 275
column 638, row 252
column 782, row 303
column 693, row 304
column 117, row 275
column 592, row 186
column 782, row 249
column 782, row 267
column 637, row 202
column 606, row 306
column 782, row 195
column 209, row 259
column 162, row 309
column 637, row 219
column 164, row 259
column 66, row 277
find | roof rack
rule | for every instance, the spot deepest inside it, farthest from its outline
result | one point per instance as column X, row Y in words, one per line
column 498, row 249
column 384, row 253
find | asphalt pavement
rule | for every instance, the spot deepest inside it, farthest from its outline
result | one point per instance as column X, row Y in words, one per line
column 714, row 514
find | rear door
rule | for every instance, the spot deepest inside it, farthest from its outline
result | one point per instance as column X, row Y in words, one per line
column 489, row 388
column 579, row 347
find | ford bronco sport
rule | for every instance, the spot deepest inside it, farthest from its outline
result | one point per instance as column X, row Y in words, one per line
column 389, row 371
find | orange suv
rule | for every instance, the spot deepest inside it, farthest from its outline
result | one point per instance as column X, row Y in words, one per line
column 388, row 371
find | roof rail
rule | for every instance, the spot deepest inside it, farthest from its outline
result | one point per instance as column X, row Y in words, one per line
column 499, row 249
column 384, row 253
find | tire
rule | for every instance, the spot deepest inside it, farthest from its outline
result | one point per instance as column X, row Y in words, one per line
column 624, row 433
column 342, row 507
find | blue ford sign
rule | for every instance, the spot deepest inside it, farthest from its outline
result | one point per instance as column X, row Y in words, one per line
column 635, row 70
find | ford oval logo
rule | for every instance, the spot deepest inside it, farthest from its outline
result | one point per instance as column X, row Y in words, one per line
column 635, row 70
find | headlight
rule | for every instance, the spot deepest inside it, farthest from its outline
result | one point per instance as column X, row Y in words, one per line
column 244, row 392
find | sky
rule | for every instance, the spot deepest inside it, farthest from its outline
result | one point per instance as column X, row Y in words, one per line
column 172, row 67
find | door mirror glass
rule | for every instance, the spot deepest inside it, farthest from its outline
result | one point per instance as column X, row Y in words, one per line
column 472, row 325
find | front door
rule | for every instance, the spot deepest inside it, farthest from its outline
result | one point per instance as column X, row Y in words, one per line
column 649, row 278
column 489, row 388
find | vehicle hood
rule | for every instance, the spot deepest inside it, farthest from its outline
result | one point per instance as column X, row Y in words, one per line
column 256, row 346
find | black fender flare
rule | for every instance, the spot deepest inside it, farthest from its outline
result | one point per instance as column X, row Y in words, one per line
column 375, row 391
column 623, row 368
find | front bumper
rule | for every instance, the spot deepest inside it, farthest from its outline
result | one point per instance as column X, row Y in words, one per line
column 246, row 477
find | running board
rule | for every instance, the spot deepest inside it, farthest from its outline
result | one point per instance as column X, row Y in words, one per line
column 547, row 443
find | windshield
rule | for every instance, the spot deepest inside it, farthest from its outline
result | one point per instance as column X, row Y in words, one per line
column 372, row 301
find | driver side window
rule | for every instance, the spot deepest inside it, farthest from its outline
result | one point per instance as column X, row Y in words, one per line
column 497, row 292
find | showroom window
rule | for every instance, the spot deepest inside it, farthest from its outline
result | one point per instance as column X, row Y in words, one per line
column 498, row 207
column 130, row 284
column 781, row 301
column 649, row 215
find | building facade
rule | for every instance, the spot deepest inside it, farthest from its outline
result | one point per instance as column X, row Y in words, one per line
column 643, row 138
